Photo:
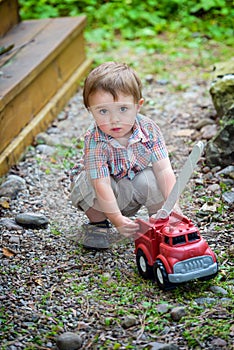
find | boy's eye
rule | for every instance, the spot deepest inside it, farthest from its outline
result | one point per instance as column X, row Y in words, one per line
column 103, row 111
column 123, row 109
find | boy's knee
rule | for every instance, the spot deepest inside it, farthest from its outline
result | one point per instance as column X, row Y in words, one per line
column 82, row 192
column 147, row 190
column 145, row 182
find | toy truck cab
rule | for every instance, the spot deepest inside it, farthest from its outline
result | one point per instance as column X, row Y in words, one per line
column 172, row 251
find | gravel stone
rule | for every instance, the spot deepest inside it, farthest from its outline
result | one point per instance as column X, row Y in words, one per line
column 129, row 321
column 219, row 343
column 203, row 122
column 203, row 301
column 69, row 341
column 178, row 312
column 228, row 171
column 163, row 308
column 218, row 290
column 208, row 131
column 161, row 346
column 32, row 220
column 228, row 197
column 45, row 149
column 14, row 239
column 12, row 186
column 9, row 224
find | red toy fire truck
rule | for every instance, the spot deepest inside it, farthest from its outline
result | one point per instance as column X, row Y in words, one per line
column 169, row 248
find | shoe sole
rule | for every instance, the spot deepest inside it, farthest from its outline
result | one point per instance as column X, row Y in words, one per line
column 86, row 246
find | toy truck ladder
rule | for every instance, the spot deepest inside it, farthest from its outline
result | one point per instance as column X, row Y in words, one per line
column 181, row 181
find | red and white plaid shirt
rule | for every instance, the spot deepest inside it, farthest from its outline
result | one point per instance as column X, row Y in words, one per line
column 104, row 156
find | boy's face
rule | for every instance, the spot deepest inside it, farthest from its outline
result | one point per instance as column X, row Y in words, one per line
column 115, row 118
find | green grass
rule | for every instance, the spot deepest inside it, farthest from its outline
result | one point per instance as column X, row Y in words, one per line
column 127, row 294
column 123, row 292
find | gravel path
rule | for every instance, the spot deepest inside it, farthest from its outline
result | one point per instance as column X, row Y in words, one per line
column 49, row 285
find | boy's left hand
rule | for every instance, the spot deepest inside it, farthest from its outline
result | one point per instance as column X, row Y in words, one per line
column 128, row 227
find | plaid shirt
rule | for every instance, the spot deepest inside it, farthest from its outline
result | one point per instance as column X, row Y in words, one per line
column 104, row 156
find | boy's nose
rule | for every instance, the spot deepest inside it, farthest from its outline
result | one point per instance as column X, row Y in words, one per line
column 114, row 117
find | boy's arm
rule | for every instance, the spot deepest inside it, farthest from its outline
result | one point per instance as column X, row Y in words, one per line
column 165, row 178
column 106, row 198
column 108, row 205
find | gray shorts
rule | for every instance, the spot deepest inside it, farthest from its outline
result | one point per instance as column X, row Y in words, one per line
column 131, row 195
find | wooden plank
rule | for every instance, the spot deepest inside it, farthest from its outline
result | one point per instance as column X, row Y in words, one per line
column 24, row 31
column 12, row 153
column 9, row 15
column 18, row 113
column 52, row 39
column 21, row 35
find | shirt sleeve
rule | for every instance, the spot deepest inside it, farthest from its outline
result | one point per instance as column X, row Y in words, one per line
column 95, row 159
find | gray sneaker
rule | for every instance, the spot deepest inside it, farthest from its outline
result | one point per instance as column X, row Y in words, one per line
column 95, row 237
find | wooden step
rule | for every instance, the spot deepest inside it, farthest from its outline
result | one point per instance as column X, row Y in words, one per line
column 9, row 15
column 38, row 76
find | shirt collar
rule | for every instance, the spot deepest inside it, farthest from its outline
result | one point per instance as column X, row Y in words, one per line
column 138, row 133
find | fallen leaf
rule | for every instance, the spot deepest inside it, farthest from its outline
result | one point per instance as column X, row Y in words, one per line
column 4, row 204
column 7, row 252
column 82, row 325
column 39, row 281
column 53, row 160
column 183, row 132
column 209, row 207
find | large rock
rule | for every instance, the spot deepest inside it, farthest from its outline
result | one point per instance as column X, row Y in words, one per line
column 222, row 87
column 220, row 149
column 222, row 93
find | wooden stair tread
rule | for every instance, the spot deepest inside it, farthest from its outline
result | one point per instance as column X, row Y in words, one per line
column 37, row 43
column 20, row 36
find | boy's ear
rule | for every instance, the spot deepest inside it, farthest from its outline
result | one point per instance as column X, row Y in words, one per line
column 140, row 104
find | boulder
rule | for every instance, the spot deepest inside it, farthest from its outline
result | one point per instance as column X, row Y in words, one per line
column 220, row 149
column 222, row 93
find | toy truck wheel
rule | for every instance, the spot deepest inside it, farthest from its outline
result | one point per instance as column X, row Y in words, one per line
column 145, row 270
column 161, row 276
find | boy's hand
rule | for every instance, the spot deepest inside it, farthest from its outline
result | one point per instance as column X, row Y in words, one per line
column 127, row 227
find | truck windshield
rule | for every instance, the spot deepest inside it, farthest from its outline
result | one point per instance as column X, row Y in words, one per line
column 178, row 240
column 194, row 236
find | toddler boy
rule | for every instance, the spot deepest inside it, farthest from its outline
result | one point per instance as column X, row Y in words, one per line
column 125, row 164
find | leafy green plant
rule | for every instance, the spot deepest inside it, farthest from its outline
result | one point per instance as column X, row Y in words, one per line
column 141, row 20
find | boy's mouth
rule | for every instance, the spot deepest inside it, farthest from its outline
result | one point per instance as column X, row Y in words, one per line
column 116, row 129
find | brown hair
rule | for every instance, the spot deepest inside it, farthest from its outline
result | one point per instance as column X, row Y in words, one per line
column 114, row 78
